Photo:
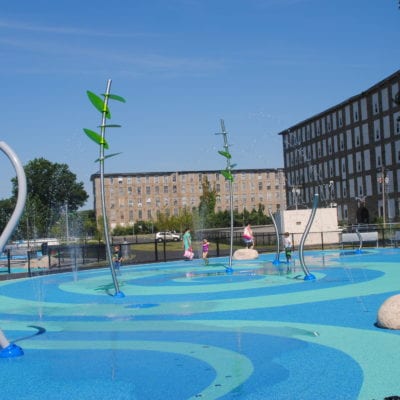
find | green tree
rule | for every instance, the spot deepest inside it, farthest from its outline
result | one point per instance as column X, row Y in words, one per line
column 6, row 210
column 52, row 189
column 89, row 226
column 208, row 200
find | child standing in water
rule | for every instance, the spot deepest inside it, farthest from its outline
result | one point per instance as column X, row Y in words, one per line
column 205, row 247
column 117, row 257
column 287, row 244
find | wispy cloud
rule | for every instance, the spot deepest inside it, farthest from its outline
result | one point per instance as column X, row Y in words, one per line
column 124, row 60
column 60, row 30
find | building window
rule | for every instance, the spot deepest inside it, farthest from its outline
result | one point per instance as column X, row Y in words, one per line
column 165, row 189
column 260, row 185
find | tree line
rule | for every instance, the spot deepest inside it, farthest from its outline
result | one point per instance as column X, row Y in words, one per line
column 55, row 196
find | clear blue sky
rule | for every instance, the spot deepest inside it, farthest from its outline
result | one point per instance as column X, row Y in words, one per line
column 182, row 65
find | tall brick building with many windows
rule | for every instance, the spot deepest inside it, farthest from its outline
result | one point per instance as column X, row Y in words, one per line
column 350, row 155
column 131, row 197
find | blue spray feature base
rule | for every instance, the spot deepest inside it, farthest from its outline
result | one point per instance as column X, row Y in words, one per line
column 310, row 277
column 119, row 295
column 278, row 262
column 12, row 350
column 358, row 251
column 229, row 270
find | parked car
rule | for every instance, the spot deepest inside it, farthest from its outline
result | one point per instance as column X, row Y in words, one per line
column 168, row 236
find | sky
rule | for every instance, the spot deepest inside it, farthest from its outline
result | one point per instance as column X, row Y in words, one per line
column 182, row 66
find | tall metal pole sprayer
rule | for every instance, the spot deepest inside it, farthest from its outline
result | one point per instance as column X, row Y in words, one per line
column 227, row 173
column 101, row 104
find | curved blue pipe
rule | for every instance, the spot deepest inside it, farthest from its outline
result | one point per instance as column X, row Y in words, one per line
column 307, row 274
column 276, row 261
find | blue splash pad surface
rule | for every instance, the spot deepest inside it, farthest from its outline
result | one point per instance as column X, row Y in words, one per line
column 142, row 374
column 186, row 331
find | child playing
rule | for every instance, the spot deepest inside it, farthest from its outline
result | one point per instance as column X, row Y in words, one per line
column 205, row 247
column 287, row 244
column 117, row 257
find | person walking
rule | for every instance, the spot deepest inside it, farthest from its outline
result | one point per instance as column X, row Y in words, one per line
column 205, row 247
column 187, row 245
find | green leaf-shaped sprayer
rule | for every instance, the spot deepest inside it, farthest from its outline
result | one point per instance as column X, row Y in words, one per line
column 228, row 175
column 101, row 105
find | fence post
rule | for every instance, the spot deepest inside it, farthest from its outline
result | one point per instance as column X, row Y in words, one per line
column 164, row 250
column 29, row 263
column 9, row 260
column 156, row 249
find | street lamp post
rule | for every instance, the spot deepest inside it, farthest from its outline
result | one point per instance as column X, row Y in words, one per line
column 384, row 181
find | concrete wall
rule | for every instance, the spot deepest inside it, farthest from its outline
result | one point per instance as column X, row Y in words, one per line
column 295, row 222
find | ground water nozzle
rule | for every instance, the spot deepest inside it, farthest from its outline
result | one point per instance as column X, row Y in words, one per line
column 12, row 350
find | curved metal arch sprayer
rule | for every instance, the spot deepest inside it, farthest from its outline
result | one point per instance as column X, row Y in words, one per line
column 276, row 261
column 359, row 250
column 19, row 208
column 308, row 275
column 11, row 350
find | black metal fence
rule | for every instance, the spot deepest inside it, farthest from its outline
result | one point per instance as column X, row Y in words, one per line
column 143, row 249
